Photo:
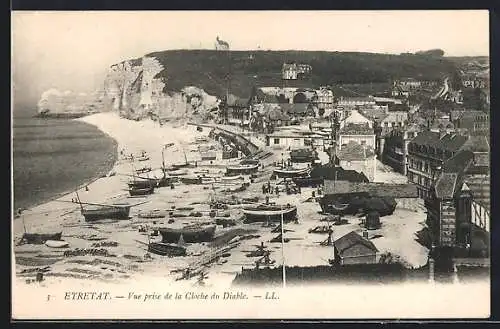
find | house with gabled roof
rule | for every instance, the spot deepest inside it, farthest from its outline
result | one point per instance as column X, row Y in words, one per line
column 352, row 248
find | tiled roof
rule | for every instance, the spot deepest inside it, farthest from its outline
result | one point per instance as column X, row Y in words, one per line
column 375, row 114
column 374, row 189
column 356, row 129
column 477, row 143
column 459, row 163
column 355, row 152
column 445, row 185
column 449, row 142
column 352, row 238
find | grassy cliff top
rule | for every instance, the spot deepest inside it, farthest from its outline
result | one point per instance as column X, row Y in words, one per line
column 209, row 69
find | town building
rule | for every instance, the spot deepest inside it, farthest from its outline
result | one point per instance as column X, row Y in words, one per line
column 324, row 101
column 458, row 206
column 393, row 120
column 355, row 117
column 427, row 153
column 352, row 248
column 393, row 147
column 473, row 81
column 409, row 83
column 238, row 112
column 400, row 92
column 356, row 128
column 355, row 101
column 476, row 122
column 354, row 156
column 294, row 139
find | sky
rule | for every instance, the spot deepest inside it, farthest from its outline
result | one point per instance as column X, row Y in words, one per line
column 72, row 50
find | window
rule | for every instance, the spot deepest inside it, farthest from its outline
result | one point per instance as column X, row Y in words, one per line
column 386, row 124
column 363, row 142
column 276, row 141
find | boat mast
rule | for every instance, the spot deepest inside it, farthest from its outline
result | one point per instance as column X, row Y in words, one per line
column 283, row 247
column 78, row 199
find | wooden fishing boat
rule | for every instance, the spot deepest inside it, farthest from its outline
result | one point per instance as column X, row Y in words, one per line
column 232, row 178
column 242, row 169
column 40, row 238
column 143, row 170
column 178, row 172
column 270, row 213
column 134, row 191
column 156, row 213
column 191, row 180
column 291, row 172
column 138, row 184
column 166, row 249
column 106, row 212
column 190, row 234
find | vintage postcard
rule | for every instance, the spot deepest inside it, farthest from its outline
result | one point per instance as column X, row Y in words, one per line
column 250, row 165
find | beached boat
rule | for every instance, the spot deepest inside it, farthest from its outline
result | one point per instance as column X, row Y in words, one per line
column 270, row 213
column 242, row 169
column 143, row 170
column 138, row 184
column 40, row 238
column 178, row 172
column 106, row 212
column 191, row 180
column 141, row 190
column 303, row 155
column 291, row 172
column 232, row 178
column 166, row 249
column 190, row 234
column 156, row 213
column 142, row 158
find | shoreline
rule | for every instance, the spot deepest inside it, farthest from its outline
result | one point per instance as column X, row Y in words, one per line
column 107, row 165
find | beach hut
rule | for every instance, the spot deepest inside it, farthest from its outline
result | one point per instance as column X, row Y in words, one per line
column 372, row 220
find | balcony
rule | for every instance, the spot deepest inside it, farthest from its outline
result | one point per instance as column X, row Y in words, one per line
column 420, row 172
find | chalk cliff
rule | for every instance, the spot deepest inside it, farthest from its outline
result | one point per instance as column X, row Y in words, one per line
column 136, row 89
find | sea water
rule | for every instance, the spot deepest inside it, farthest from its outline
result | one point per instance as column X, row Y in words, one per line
column 54, row 156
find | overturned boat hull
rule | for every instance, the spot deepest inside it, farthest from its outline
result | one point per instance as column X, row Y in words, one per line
column 118, row 212
column 166, row 249
column 41, row 238
column 189, row 234
column 266, row 213
column 141, row 191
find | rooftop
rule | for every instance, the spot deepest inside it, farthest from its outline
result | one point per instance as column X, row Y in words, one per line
column 445, row 185
column 356, row 129
column 449, row 142
column 375, row 189
column 352, row 238
column 353, row 151
column 477, row 143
